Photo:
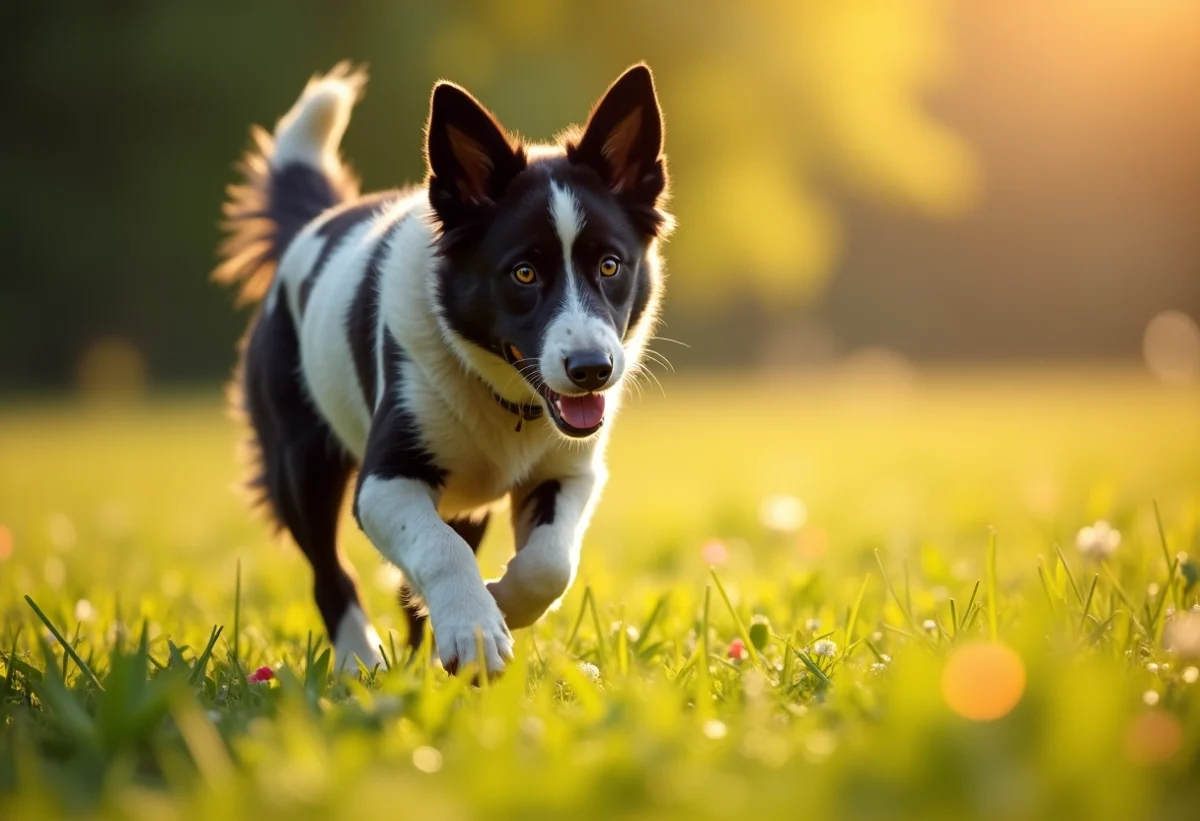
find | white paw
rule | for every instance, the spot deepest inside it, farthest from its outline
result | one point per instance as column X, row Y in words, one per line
column 460, row 619
column 356, row 639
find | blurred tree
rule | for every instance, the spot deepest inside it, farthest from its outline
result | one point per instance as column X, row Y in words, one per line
column 129, row 115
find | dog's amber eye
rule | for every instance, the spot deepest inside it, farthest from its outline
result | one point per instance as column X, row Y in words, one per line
column 609, row 266
column 524, row 274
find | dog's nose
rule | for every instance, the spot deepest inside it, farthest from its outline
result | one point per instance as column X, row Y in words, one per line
column 589, row 370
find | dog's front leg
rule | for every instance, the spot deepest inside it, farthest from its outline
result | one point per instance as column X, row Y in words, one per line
column 400, row 517
column 549, row 519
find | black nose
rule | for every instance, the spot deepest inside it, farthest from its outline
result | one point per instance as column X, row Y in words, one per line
column 589, row 370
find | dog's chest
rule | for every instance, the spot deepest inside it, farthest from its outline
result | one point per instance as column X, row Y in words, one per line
column 477, row 444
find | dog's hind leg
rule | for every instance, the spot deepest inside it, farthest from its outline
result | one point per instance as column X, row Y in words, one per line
column 472, row 532
column 302, row 478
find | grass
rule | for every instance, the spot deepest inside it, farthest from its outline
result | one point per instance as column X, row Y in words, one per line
column 136, row 595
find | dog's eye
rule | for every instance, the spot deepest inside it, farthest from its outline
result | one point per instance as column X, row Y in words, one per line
column 524, row 274
column 609, row 266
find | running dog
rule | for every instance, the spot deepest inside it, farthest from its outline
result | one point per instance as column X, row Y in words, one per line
column 458, row 344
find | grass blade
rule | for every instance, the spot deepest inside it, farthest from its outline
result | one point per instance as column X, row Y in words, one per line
column 67, row 648
column 993, row 605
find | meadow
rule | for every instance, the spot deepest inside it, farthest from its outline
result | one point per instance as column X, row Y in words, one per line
column 855, row 595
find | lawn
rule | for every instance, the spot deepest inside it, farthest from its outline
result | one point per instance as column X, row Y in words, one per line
column 801, row 597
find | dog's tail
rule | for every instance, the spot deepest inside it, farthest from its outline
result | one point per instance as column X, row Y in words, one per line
column 289, row 177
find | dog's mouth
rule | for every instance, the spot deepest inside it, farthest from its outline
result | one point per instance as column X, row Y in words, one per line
column 577, row 416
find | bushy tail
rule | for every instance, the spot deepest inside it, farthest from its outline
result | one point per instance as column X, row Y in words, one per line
column 289, row 177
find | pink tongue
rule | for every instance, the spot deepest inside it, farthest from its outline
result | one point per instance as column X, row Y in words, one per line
column 582, row 412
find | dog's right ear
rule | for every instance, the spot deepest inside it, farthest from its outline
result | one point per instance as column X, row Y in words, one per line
column 471, row 159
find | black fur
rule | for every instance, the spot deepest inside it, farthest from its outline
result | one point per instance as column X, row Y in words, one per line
column 302, row 469
column 363, row 316
column 334, row 230
column 542, row 500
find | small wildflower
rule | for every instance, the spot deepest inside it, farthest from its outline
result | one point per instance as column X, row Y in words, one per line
column 929, row 626
column 1153, row 590
column 1098, row 541
column 714, row 730
column 737, row 650
column 1150, row 697
column 1191, row 675
column 824, row 647
column 885, row 658
column 261, row 675
column 878, row 668
column 590, row 671
column 1152, row 667
column 812, row 625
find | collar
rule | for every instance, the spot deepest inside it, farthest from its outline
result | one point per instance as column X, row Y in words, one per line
column 525, row 412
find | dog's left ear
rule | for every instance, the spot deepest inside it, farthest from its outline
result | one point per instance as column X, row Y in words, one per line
column 624, row 137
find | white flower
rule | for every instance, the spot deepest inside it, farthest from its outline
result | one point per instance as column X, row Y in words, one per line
column 1152, row 667
column 824, row 647
column 878, row 668
column 590, row 671
column 1150, row 697
column 1191, row 675
column 812, row 625
column 929, row 626
column 1098, row 541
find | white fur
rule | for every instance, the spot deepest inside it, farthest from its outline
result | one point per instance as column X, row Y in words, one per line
column 356, row 638
column 312, row 130
column 400, row 517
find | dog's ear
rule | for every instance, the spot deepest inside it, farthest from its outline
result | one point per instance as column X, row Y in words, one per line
column 471, row 159
column 623, row 139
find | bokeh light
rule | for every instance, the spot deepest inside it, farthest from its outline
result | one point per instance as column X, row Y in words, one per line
column 1153, row 737
column 983, row 681
column 1171, row 347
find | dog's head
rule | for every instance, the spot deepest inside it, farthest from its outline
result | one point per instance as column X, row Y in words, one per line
column 549, row 279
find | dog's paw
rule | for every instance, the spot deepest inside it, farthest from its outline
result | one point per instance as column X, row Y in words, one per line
column 460, row 621
column 356, row 639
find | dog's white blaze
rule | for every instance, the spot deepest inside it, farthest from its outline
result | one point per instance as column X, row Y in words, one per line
column 567, row 217
column 356, row 637
column 574, row 328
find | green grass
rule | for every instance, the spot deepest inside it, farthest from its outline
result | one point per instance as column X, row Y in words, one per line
column 939, row 515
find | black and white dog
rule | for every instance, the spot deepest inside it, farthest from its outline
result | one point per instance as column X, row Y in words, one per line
column 461, row 343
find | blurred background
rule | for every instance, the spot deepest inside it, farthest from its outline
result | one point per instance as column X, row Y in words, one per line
column 883, row 181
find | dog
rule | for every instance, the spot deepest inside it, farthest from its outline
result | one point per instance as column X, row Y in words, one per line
column 460, row 344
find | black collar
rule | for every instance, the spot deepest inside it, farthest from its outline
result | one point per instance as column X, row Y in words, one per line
column 525, row 412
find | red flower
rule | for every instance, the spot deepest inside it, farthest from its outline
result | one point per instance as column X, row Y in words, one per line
column 262, row 674
column 737, row 650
